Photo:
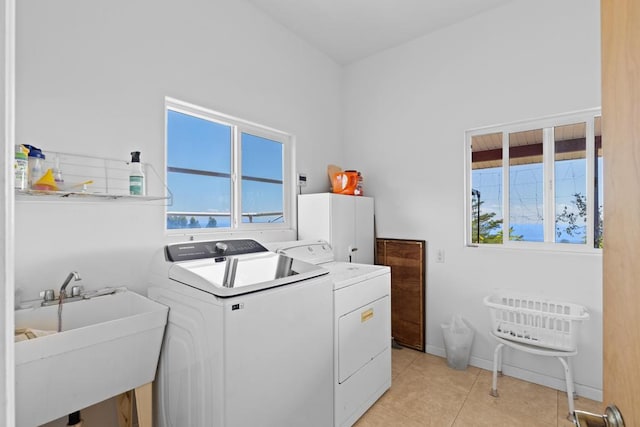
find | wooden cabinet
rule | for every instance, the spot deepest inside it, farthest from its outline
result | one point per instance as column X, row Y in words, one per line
column 407, row 261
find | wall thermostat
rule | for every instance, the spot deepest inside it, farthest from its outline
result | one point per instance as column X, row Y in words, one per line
column 302, row 179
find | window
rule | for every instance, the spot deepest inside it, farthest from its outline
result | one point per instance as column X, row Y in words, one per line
column 525, row 186
column 224, row 172
column 537, row 182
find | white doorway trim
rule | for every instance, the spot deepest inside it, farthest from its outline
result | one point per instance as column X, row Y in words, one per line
column 7, row 125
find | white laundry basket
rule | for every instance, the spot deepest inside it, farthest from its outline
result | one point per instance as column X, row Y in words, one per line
column 535, row 321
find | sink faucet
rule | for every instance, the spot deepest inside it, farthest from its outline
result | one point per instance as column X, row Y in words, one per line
column 63, row 288
column 63, row 294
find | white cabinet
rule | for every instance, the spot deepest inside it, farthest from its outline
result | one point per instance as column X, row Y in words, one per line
column 346, row 222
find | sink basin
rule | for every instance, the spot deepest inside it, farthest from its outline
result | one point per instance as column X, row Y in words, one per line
column 108, row 345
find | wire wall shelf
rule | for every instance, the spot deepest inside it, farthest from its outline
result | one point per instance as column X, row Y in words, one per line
column 89, row 178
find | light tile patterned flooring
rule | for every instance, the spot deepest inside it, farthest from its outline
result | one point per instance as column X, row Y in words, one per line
column 426, row 392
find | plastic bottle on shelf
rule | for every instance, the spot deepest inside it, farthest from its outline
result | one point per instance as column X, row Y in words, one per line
column 21, row 168
column 136, row 176
column 57, row 173
column 36, row 164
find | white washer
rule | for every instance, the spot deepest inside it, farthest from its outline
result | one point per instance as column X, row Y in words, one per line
column 362, row 328
column 258, row 351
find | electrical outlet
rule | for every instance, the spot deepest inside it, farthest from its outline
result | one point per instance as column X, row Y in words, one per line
column 440, row 255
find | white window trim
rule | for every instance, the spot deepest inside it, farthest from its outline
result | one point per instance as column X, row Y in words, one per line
column 547, row 123
column 238, row 126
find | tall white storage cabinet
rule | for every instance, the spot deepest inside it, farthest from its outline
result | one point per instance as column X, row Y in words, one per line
column 346, row 222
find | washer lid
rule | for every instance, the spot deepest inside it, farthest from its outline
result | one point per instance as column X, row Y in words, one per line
column 251, row 273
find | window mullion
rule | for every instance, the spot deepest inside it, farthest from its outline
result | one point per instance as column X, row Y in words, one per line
column 505, row 188
column 236, row 179
column 548, row 191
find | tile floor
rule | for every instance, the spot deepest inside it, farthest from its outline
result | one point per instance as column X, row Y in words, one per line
column 426, row 392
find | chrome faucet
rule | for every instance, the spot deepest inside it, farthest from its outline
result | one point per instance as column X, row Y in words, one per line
column 49, row 297
column 63, row 294
column 63, row 288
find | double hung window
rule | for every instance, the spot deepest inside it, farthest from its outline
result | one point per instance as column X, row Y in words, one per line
column 224, row 172
column 538, row 181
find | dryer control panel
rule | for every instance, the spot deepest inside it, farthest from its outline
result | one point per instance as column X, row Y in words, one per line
column 318, row 252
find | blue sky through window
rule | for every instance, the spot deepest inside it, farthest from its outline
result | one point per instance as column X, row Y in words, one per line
column 262, row 158
column 203, row 145
column 197, row 143
column 199, row 162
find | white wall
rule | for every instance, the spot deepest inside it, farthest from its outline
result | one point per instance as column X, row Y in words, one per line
column 406, row 111
column 91, row 79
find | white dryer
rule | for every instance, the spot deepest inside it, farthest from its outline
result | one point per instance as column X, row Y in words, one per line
column 362, row 327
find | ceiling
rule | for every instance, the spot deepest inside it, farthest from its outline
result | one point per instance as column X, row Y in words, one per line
column 349, row 30
column 570, row 143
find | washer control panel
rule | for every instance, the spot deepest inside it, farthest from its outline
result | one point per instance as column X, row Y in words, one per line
column 212, row 249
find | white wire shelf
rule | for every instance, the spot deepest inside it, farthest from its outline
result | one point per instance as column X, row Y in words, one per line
column 89, row 178
column 35, row 194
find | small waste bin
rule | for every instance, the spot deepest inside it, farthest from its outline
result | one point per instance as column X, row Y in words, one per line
column 458, row 337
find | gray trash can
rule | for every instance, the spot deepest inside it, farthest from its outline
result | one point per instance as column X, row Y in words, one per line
column 458, row 338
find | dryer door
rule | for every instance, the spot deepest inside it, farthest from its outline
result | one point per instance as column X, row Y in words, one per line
column 362, row 335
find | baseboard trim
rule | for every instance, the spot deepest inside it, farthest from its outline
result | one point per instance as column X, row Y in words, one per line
column 526, row 375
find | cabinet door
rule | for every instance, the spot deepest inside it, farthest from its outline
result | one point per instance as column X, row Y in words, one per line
column 342, row 226
column 344, row 221
column 363, row 226
column 407, row 261
column 314, row 217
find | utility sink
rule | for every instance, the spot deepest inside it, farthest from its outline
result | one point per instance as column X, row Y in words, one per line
column 108, row 345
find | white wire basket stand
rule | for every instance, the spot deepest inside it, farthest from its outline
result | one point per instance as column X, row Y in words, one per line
column 538, row 326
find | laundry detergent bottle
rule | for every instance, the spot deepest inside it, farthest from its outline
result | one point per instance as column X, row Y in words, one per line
column 136, row 176
column 345, row 182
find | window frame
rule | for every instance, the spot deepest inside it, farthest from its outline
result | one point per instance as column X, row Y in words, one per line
column 547, row 124
column 238, row 126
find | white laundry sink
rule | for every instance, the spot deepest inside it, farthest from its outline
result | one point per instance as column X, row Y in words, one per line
column 108, row 345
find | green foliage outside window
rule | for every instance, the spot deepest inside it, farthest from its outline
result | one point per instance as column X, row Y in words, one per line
column 485, row 228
